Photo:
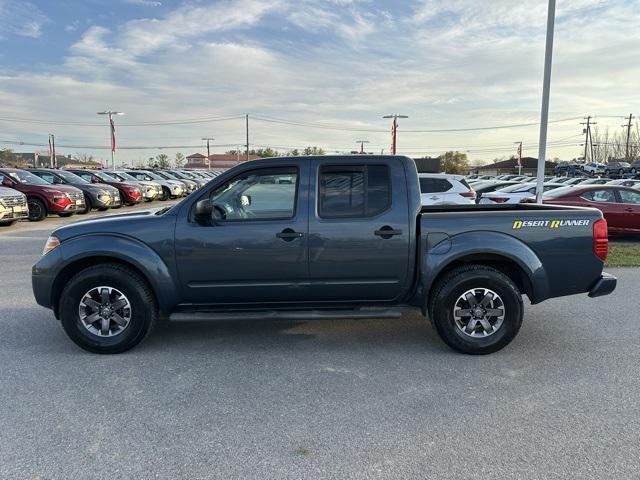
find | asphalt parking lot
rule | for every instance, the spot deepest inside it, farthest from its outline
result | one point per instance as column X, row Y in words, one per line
column 333, row 399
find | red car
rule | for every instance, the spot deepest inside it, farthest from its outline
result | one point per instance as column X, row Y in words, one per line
column 42, row 197
column 130, row 193
column 619, row 205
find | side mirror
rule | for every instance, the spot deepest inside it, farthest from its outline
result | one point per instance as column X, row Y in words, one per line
column 245, row 200
column 94, row 180
column 7, row 183
column 204, row 210
column 57, row 181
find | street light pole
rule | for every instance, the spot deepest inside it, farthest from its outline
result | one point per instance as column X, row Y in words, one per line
column 362, row 142
column 544, row 114
column 208, row 151
column 394, row 130
column 112, row 133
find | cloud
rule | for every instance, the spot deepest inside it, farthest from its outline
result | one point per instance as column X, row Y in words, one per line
column 21, row 18
column 454, row 64
column 144, row 3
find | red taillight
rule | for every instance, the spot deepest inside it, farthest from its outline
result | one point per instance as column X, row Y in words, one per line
column 600, row 239
column 498, row 199
column 470, row 194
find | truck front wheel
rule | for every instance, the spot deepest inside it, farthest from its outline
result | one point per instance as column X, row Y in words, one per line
column 107, row 308
column 476, row 309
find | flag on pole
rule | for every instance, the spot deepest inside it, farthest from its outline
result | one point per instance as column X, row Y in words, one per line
column 113, row 136
column 520, row 154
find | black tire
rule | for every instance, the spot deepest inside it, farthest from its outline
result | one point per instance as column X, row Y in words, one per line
column 144, row 310
column 104, row 209
column 166, row 194
column 66, row 214
column 607, row 172
column 37, row 210
column 634, row 171
column 88, row 206
column 452, row 286
column 621, row 172
column 7, row 224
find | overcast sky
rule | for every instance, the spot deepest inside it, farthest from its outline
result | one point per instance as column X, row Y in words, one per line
column 341, row 64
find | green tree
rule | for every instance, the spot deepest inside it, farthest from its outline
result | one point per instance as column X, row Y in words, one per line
column 179, row 160
column 313, row 151
column 162, row 160
column 6, row 155
column 454, row 162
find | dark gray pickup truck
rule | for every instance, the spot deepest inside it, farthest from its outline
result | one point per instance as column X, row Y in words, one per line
column 318, row 238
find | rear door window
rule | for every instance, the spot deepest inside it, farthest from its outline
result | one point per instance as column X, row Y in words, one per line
column 604, row 196
column 353, row 190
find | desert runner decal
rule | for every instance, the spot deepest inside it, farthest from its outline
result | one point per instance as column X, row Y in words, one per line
column 518, row 224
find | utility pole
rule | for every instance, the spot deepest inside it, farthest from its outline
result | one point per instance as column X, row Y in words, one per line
column 394, row 131
column 52, row 150
column 587, row 136
column 208, row 151
column 546, row 87
column 628, row 125
column 247, row 131
column 519, row 157
column 362, row 142
column 112, row 133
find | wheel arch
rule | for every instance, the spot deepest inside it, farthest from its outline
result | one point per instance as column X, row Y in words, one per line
column 86, row 251
column 505, row 253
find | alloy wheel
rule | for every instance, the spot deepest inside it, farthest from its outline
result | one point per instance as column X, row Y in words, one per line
column 105, row 311
column 479, row 312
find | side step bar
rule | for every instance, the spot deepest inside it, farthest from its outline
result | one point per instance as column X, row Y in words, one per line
column 212, row 315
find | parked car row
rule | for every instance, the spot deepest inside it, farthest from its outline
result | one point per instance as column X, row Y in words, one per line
column 35, row 193
column 596, row 168
column 619, row 199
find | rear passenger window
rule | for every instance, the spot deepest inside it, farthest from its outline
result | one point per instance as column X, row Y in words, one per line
column 434, row 185
column 353, row 191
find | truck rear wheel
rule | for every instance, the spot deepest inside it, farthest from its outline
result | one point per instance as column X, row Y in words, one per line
column 476, row 309
column 107, row 308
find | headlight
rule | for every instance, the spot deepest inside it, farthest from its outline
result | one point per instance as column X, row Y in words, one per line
column 52, row 242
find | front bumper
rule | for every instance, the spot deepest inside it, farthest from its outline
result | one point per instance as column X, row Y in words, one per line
column 603, row 286
column 13, row 213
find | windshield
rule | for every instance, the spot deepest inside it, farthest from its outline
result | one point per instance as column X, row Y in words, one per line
column 105, row 177
column 26, row 178
column 124, row 176
column 167, row 175
column 152, row 175
column 180, row 176
column 70, row 177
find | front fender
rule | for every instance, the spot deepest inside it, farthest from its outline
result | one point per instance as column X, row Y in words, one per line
column 446, row 250
column 118, row 247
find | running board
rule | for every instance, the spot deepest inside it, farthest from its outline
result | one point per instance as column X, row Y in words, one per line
column 212, row 315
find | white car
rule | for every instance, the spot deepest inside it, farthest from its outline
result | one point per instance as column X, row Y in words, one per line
column 593, row 168
column 515, row 193
column 445, row 189
column 170, row 188
column 13, row 206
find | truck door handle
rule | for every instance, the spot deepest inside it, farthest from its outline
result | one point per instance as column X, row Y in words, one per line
column 387, row 232
column 628, row 209
column 289, row 234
